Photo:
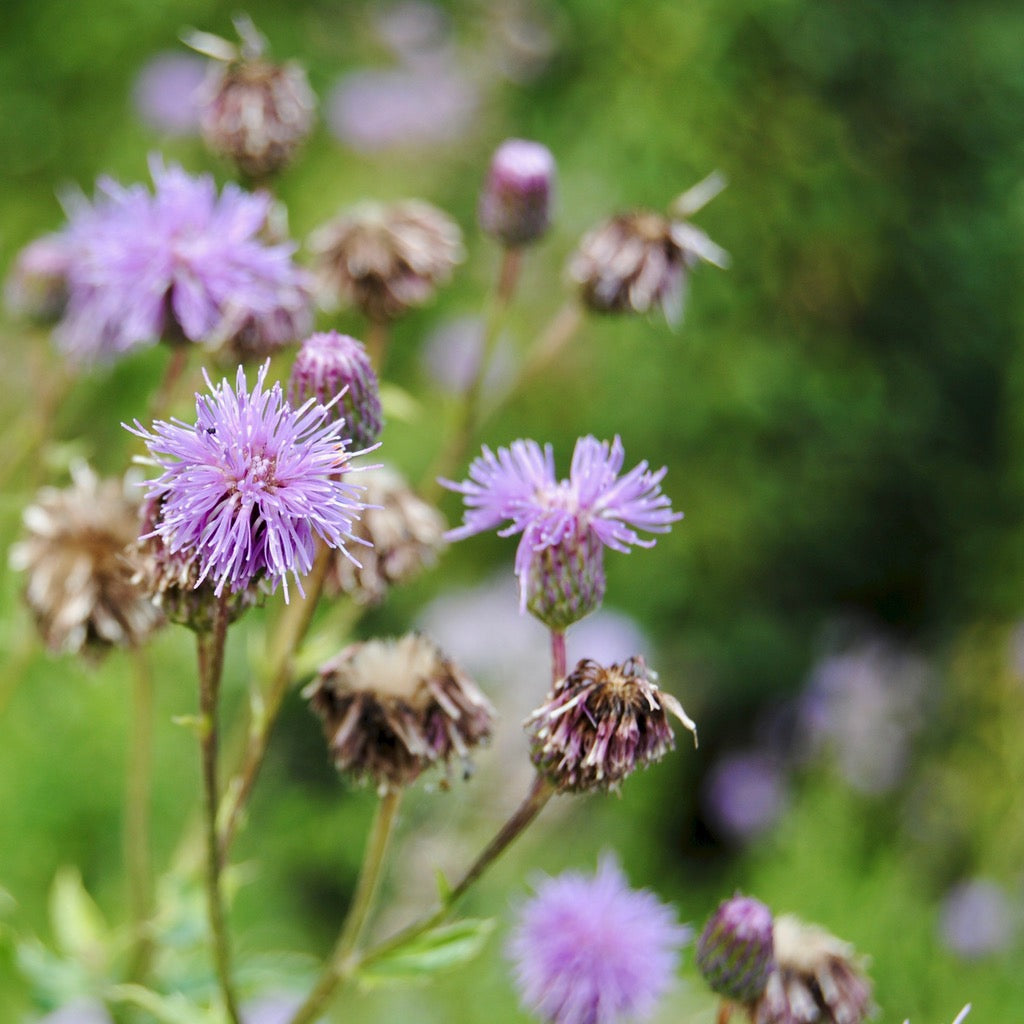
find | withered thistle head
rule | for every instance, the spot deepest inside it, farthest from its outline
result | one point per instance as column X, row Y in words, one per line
column 598, row 725
column 393, row 708
column 78, row 580
column 174, row 580
column 252, row 111
column 734, row 951
column 386, row 258
column 818, row 979
column 639, row 261
column 406, row 535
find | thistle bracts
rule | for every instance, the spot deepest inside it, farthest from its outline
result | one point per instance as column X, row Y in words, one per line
column 735, row 950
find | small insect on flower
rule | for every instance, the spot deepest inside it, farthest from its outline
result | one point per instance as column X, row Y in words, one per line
column 252, row 485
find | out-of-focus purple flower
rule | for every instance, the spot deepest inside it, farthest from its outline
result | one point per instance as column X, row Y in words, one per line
column 976, row 920
column 864, row 706
column 744, row 794
column 164, row 93
column 372, row 110
column 414, row 30
column 180, row 263
column 565, row 524
column 273, row 1009
column 451, row 355
column 515, row 204
column 251, row 484
column 37, row 286
column 590, row 950
column 85, row 1011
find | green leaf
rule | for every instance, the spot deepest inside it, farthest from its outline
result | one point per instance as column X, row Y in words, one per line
column 444, row 890
column 172, row 1009
column 79, row 928
column 446, row 946
column 54, row 980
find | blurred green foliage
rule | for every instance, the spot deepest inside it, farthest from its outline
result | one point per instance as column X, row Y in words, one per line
column 842, row 415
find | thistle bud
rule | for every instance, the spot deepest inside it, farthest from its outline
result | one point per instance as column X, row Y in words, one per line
column 515, row 205
column 566, row 581
column 598, row 725
column 734, row 952
column 254, row 112
column 37, row 286
column 330, row 365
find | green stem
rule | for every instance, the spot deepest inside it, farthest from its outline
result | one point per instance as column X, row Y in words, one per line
column 540, row 792
column 377, row 344
column 137, row 811
column 341, row 964
column 211, row 667
column 558, row 664
column 291, row 628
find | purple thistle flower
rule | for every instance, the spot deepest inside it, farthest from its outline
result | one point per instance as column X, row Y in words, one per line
column 590, row 950
column 182, row 262
column 251, row 485
column 565, row 524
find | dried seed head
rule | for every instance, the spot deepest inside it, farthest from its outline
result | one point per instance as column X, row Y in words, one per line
column 515, row 205
column 331, row 364
column 393, row 708
column 254, row 112
column 385, row 259
column 639, row 261
column 406, row 535
column 818, row 979
column 734, row 952
column 598, row 725
column 78, row 580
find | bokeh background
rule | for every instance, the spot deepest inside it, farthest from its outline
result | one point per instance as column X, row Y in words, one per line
column 841, row 412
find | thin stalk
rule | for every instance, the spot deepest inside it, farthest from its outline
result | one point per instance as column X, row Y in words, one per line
column 290, row 630
column 558, row 663
column 377, row 338
column 210, row 649
column 137, row 812
column 540, row 792
column 173, row 373
column 340, row 965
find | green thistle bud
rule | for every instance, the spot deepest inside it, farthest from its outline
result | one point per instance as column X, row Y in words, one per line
column 735, row 950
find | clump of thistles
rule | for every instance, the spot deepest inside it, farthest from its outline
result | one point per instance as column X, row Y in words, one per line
column 515, row 204
column 334, row 368
column 393, row 708
column 598, row 725
column 180, row 264
column 79, row 582
column 252, row 485
column 639, row 261
column 818, row 979
column 565, row 524
column 735, row 949
column 385, row 258
column 403, row 533
column 252, row 111
column 590, row 950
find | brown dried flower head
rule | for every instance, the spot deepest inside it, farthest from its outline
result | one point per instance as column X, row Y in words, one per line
column 385, row 259
column 406, row 535
column 171, row 578
column 598, row 725
column 254, row 112
column 78, row 580
column 393, row 708
column 818, row 979
column 639, row 261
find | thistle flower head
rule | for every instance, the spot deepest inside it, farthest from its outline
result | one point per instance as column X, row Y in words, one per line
column 253, row 112
column 590, row 950
column 639, row 261
column 818, row 979
column 598, row 725
column 37, row 286
column 393, row 708
column 403, row 533
column 515, row 205
column 734, row 952
column 78, row 579
column 385, row 259
column 565, row 524
column 180, row 263
column 334, row 368
column 251, row 484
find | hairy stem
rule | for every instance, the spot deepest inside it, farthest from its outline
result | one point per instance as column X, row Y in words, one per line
column 341, row 963
column 211, row 667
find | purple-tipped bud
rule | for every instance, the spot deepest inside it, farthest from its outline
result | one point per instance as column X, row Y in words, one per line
column 598, row 725
column 37, row 286
column 735, row 951
column 515, row 206
column 329, row 364
column 566, row 581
